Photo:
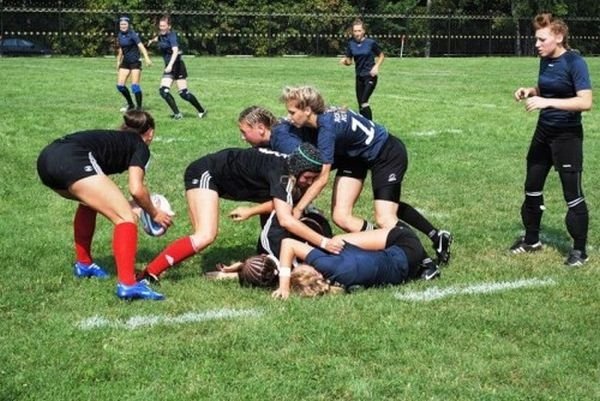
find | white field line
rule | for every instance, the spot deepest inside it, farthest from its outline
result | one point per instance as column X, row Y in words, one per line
column 136, row 322
column 434, row 293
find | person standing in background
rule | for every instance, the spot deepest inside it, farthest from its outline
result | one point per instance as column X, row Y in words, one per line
column 368, row 57
column 129, row 64
column 563, row 91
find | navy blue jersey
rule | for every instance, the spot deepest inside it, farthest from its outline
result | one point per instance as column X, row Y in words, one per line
column 356, row 266
column 114, row 151
column 128, row 42
column 364, row 54
column 343, row 132
column 285, row 137
column 166, row 43
column 561, row 78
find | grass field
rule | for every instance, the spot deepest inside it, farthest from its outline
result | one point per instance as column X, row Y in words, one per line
column 65, row 339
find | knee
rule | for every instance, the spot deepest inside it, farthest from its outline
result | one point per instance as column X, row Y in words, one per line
column 136, row 88
column 341, row 218
column 121, row 88
column 185, row 94
column 164, row 91
column 202, row 239
column 385, row 220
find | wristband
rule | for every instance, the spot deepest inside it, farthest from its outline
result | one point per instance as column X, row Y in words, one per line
column 324, row 242
column 285, row 271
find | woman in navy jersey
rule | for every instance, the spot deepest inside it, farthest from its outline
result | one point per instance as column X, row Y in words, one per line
column 563, row 91
column 381, row 257
column 77, row 166
column 367, row 56
column 129, row 64
column 175, row 70
column 357, row 145
column 251, row 175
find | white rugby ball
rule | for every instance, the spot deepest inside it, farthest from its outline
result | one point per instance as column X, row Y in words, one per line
column 150, row 226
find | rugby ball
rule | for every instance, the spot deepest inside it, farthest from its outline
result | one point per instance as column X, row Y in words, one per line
column 151, row 227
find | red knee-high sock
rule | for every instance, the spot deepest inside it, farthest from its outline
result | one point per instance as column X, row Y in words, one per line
column 125, row 248
column 84, row 226
column 177, row 251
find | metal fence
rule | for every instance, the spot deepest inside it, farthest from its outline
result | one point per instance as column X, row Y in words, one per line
column 78, row 31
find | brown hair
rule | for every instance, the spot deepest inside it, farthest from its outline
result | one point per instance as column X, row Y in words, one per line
column 307, row 284
column 303, row 97
column 166, row 18
column 254, row 115
column 557, row 26
column 138, row 121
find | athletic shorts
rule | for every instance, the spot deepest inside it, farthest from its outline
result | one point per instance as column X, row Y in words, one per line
column 62, row 163
column 406, row 239
column 561, row 147
column 131, row 65
column 197, row 175
column 350, row 167
column 388, row 169
column 178, row 72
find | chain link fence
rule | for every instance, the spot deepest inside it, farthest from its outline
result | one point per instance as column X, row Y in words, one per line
column 92, row 32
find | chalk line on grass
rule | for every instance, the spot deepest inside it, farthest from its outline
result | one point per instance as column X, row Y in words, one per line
column 434, row 293
column 136, row 322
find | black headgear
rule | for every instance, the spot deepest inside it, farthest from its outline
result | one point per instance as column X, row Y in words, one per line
column 306, row 157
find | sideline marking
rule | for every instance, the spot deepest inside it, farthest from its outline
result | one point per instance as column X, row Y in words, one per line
column 434, row 293
column 136, row 322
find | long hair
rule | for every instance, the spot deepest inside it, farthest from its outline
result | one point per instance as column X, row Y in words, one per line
column 307, row 284
column 557, row 26
column 254, row 115
column 303, row 97
column 137, row 121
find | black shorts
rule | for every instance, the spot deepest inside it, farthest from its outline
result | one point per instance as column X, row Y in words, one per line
column 387, row 171
column 178, row 72
column 406, row 239
column 561, row 147
column 351, row 167
column 62, row 163
column 131, row 65
column 197, row 175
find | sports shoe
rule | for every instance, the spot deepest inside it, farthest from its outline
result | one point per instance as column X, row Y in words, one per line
column 177, row 116
column 520, row 246
column 139, row 290
column 442, row 246
column 202, row 114
column 148, row 277
column 126, row 108
column 81, row 270
column 576, row 258
column 430, row 270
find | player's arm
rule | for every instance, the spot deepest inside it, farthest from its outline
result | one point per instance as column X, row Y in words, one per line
column 169, row 66
column 241, row 213
column 290, row 249
column 524, row 93
column 346, row 60
column 378, row 62
column 301, row 230
column 140, row 194
column 119, row 57
column 145, row 54
column 313, row 190
column 582, row 101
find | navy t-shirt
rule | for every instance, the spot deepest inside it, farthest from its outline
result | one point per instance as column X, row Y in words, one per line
column 343, row 132
column 561, row 78
column 128, row 42
column 364, row 54
column 285, row 137
column 166, row 43
column 356, row 266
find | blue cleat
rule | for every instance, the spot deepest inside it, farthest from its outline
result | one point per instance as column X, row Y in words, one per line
column 139, row 290
column 81, row 270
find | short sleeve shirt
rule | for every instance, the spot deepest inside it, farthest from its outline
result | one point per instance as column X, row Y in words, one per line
column 364, row 54
column 166, row 43
column 128, row 42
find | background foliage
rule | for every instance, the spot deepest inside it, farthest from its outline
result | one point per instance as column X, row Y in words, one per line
column 320, row 27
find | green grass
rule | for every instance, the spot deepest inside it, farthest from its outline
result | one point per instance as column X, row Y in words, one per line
column 467, row 140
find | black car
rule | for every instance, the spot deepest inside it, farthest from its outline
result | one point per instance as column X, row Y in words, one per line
column 22, row 47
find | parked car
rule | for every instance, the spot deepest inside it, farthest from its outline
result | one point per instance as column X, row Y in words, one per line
column 22, row 47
